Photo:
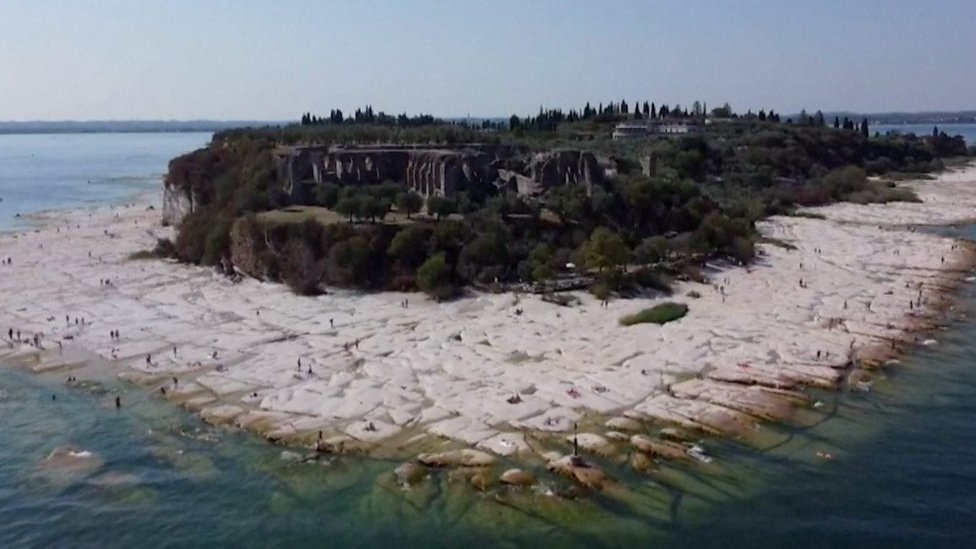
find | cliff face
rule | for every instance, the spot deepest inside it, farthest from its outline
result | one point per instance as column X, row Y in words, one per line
column 558, row 168
column 177, row 203
column 247, row 244
column 443, row 173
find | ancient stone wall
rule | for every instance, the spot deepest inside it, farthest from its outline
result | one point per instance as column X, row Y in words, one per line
column 433, row 172
column 564, row 167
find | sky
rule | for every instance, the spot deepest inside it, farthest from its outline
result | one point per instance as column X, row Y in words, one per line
column 275, row 59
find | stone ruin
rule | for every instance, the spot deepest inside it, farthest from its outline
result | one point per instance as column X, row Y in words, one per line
column 434, row 171
column 427, row 170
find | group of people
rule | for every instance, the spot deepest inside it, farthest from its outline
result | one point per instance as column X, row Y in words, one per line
column 78, row 320
column 34, row 340
column 308, row 372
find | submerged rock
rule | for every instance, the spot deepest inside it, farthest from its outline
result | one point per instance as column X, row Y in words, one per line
column 582, row 472
column 288, row 455
column 660, row 448
column 641, row 462
column 68, row 462
column 113, row 479
column 624, row 424
column 409, row 473
column 481, row 480
column 517, row 477
column 457, row 458
column 68, row 458
column 593, row 442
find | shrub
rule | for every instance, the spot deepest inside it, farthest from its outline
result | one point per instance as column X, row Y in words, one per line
column 434, row 277
column 654, row 280
column 658, row 314
column 163, row 248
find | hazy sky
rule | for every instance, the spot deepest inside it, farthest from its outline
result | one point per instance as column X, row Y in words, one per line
column 273, row 59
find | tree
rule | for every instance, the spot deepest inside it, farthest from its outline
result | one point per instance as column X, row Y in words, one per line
column 349, row 261
column 367, row 206
column 539, row 261
column 653, row 249
column 349, row 206
column 434, row 276
column 440, row 206
column 487, row 256
column 381, row 207
column 864, row 128
column 409, row 202
column 605, row 249
column 569, row 202
column 327, row 195
column 409, row 246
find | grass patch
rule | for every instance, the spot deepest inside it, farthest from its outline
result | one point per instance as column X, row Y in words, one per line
column 776, row 242
column 882, row 192
column 520, row 357
column 659, row 314
column 325, row 216
column 142, row 254
column 902, row 176
column 808, row 215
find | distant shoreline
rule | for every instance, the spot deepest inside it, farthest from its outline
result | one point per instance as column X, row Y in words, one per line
column 126, row 126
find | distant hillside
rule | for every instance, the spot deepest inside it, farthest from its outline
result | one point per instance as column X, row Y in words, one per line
column 126, row 126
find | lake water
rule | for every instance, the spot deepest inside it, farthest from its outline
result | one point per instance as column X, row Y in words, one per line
column 967, row 131
column 45, row 172
column 903, row 473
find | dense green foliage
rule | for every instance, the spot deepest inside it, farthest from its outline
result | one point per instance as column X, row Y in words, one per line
column 658, row 314
column 673, row 203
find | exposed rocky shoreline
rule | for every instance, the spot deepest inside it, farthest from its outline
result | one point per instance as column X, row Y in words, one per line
column 464, row 384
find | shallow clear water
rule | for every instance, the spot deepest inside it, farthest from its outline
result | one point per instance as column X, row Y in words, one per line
column 42, row 172
column 903, row 473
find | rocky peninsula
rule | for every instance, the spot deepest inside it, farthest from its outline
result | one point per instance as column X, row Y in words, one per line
column 833, row 294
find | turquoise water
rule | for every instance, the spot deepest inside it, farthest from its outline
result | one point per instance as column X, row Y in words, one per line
column 903, row 473
column 44, row 172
